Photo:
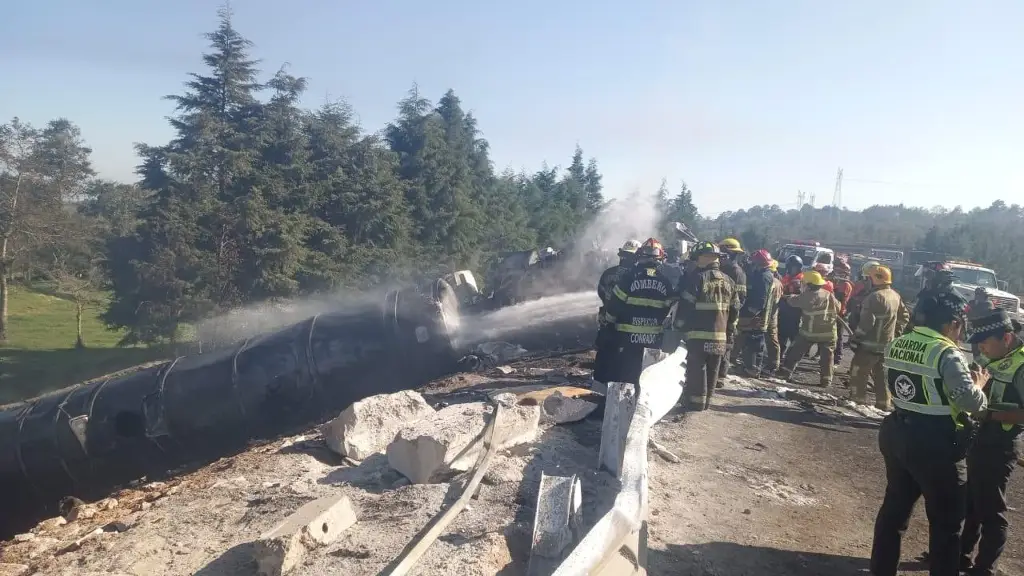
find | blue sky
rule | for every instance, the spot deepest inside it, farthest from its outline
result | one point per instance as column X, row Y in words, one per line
column 919, row 101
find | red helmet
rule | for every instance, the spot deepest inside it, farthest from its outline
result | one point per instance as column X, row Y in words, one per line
column 651, row 249
column 761, row 258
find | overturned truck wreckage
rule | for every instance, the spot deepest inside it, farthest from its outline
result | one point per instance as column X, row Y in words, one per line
column 86, row 440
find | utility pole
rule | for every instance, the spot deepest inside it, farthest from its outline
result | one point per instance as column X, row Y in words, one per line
column 837, row 196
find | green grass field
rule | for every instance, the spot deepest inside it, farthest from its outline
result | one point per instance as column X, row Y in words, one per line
column 40, row 354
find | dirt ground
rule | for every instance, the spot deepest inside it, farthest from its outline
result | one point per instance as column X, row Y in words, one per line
column 777, row 487
column 768, row 485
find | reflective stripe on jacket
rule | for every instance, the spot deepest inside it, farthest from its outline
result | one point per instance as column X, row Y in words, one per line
column 1001, row 388
column 912, row 372
column 882, row 317
column 639, row 304
column 708, row 305
column 819, row 310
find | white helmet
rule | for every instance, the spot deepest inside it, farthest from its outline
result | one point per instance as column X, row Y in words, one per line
column 630, row 246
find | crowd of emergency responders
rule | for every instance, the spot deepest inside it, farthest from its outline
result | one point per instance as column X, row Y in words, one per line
column 952, row 426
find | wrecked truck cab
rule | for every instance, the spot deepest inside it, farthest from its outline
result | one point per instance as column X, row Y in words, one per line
column 86, row 440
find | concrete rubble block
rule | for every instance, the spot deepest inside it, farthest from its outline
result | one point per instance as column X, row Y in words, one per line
column 83, row 512
column 51, row 524
column 561, row 409
column 367, row 427
column 557, row 523
column 316, row 523
column 519, row 423
column 447, row 442
column 8, row 569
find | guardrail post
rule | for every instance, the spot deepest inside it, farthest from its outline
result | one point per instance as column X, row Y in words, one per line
column 620, row 403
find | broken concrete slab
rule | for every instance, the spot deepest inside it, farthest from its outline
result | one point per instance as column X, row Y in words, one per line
column 316, row 523
column 8, row 569
column 557, row 522
column 433, row 449
column 368, row 426
column 559, row 409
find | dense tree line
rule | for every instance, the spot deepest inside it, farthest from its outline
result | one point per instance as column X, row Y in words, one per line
column 257, row 198
column 992, row 236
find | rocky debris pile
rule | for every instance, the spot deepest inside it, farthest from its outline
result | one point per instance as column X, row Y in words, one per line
column 265, row 509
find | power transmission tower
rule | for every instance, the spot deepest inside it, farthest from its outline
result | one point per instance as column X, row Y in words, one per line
column 800, row 200
column 837, row 196
column 812, row 200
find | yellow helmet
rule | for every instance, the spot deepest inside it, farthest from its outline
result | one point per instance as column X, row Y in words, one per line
column 813, row 278
column 865, row 270
column 880, row 275
column 730, row 245
column 773, row 265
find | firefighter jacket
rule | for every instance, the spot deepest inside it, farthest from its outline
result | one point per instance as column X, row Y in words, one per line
column 1007, row 383
column 842, row 289
column 708, row 306
column 758, row 307
column 775, row 298
column 882, row 317
column 639, row 303
column 609, row 278
column 861, row 290
column 739, row 278
column 818, row 312
column 927, row 374
column 791, row 283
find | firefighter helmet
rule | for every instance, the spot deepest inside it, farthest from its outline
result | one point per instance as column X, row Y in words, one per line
column 813, row 278
column 794, row 260
column 704, row 249
column 651, row 250
column 880, row 276
column 630, row 246
column 761, row 258
column 730, row 245
column 842, row 266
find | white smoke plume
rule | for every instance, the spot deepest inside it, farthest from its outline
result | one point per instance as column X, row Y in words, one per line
column 633, row 217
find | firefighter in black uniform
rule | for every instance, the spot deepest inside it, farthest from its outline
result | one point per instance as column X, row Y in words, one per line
column 637, row 309
column 924, row 441
column 998, row 446
column 706, row 316
column 730, row 262
column 605, row 285
column 938, row 279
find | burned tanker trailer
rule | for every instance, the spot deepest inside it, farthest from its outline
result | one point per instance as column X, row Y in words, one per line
column 86, row 440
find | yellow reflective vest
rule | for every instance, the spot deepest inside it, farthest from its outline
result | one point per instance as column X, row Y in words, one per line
column 912, row 372
column 1001, row 388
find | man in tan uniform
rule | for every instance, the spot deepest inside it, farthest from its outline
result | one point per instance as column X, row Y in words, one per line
column 771, row 340
column 819, row 310
column 882, row 317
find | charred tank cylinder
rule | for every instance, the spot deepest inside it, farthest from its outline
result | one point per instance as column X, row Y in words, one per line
column 87, row 440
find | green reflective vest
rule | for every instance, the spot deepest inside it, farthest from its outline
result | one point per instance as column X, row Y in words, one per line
column 912, row 372
column 1003, row 372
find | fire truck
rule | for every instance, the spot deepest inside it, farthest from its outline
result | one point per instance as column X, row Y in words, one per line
column 810, row 251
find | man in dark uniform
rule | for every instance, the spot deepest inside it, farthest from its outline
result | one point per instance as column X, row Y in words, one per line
column 938, row 279
column 637, row 309
column 924, row 441
column 707, row 312
column 605, row 285
column 730, row 262
column 997, row 448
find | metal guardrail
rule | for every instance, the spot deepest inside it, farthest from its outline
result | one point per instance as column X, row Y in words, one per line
column 617, row 544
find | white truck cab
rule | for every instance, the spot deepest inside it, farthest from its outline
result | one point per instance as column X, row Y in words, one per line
column 811, row 252
column 970, row 276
